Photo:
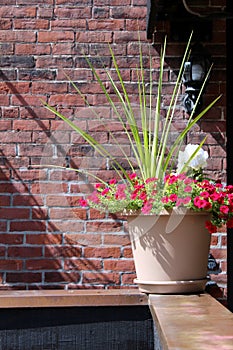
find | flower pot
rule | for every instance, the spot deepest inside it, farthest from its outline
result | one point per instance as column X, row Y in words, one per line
column 170, row 251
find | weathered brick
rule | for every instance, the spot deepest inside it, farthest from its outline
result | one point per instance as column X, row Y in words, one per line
column 101, row 12
column 67, row 24
column 17, row 36
column 17, row 11
column 32, row 49
column 31, row 24
column 73, row 12
column 48, row 37
column 37, row 74
column 89, row 37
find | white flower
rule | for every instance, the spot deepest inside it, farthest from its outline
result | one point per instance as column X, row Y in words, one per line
column 198, row 161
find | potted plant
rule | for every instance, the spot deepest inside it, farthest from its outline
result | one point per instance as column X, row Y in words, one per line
column 156, row 196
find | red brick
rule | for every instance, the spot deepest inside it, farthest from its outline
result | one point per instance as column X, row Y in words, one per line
column 106, row 252
column 9, row 238
column 114, row 239
column 27, row 125
column 101, row 278
column 68, row 213
column 4, row 200
column 103, row 226
column 67, row 24
column 24, row 252
column 32, row 49
column 89, row 37
column 27, row 225
column 8, row 150
column 48, row 37
column 27, row 200
column 43, row 239
column 51, row 277
column 83, row 264
column 17, row 36
column 24, row 277
column 62, row 251
column 128, row 278
column 11, row 265
column 83, row 239
column 31, row 24
column 106, row 24
column 73, row 12
column 66, row 100
column 17, row 11
column 119, row 265
column 47, row 188
column 43, row 264
column 14, row 213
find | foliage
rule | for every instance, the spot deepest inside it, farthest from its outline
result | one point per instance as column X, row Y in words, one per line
column 175, row 190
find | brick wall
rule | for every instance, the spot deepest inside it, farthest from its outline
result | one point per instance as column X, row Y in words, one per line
column 46, row 239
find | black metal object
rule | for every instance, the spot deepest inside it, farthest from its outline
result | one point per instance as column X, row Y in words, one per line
column 77, row 328
column 213, row 265
column 229, row 131
column 195, row 72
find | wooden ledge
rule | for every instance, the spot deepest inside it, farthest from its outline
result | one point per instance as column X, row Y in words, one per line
column 192, row 322
column 69, row 298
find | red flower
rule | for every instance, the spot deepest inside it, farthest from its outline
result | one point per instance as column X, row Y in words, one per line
column 210, row 227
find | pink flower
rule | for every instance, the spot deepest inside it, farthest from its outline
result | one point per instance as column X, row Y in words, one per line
column 214, row 196
column 132, row 176
column 186, row 200
column 165, row 200
column 147, row 207
column 83, row 202
column 224, row 209
column 188, row 189
column 112, row 181
column 142, row 196
column 94, row 197
column 173, row 197
column 200, row 203
column 105, row 191
column 187, row 181
column 98, row 186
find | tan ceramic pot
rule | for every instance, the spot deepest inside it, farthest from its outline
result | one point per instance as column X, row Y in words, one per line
column 170, row 251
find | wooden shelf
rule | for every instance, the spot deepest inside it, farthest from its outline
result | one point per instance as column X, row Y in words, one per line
column 69, row 298
column 192, row 322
